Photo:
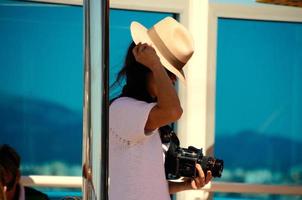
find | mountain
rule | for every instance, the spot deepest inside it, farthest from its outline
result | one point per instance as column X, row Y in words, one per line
column 40, row 131
column 254, row 150
column 43, row 131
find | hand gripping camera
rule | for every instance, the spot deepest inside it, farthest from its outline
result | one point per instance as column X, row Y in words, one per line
column 180, row 162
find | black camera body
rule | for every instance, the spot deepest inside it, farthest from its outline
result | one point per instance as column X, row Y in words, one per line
column 180, row 162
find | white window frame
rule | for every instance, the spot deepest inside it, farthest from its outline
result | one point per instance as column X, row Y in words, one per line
column 196, row 127
column 251, row 11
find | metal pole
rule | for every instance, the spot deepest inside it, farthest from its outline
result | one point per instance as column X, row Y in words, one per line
column 105, row 100
column 96, row 100
column 87, row 174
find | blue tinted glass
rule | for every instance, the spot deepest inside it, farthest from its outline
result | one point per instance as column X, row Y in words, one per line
column 259, row 101
column 41, row 81
column 120, row 38
column 60, row 193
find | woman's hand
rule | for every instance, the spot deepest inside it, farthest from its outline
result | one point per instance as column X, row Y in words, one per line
column 160, row 86
column 201, row 180
column 146, row 55
column 190, row 184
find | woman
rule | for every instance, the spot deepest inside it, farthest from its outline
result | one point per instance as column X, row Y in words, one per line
column 148, row 101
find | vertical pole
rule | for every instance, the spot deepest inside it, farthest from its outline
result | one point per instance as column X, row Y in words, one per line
column 105, row 106
column 86, row 156
column 96, row 100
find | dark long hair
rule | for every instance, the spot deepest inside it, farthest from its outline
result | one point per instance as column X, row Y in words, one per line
column 135, row 75
column 10, row 160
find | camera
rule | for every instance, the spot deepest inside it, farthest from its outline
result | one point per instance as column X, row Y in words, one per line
column 180, row 162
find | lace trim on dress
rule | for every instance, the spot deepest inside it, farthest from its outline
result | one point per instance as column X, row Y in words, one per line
column 122, row 140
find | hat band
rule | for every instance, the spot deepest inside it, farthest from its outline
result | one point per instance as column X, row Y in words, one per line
column 157, row 41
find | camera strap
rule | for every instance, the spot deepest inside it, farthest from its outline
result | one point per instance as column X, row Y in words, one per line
column 167, row 135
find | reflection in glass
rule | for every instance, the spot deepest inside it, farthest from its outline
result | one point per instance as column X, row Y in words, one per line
column 259, row 101
column 41, row 85
column 41, row 80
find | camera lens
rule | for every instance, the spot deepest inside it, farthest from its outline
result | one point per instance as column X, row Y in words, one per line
column 217, row 168
column 209, row 163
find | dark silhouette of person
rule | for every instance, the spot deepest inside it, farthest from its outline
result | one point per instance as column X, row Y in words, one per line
column 12, row 188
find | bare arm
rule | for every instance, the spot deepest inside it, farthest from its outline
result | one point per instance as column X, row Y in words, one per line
column 168, row 108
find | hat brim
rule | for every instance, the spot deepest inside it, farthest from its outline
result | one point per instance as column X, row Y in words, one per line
column 139, row 34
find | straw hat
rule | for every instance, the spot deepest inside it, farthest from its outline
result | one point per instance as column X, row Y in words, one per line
column 171, row 41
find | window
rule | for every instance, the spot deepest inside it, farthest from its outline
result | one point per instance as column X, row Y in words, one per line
column 258, row 101
column 41, row 85
column 42, row 82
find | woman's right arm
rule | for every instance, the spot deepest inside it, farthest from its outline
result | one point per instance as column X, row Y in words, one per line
column 168, row 108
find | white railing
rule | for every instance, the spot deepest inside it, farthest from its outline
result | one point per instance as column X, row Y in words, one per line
column 253, row 188
column 76, row 182
column 53, row 181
